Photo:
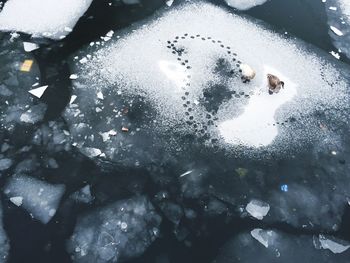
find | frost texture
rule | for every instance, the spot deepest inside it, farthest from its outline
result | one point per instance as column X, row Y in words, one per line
column 119, row 231
column 49, row 18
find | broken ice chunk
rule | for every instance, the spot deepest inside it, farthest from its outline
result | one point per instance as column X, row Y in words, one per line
column 117, row 232
column 73, row 76
column 34, row 114
column 83, row 195
column 336, row 31
column 38, row 92
column 5, row 164
column 263, row 236
column 37, row 197
column 17, row 200
column 56, row 18
column 169, row 2
column 100, row 95
column 275, row 246
column 258, row 209
column 28, row 46
column 334, row 245
column 91, row 152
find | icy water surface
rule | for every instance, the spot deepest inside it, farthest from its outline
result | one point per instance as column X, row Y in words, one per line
column 128, row 134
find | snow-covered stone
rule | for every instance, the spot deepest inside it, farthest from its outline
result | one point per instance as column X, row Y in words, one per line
column 119, row 231
column 38, row 198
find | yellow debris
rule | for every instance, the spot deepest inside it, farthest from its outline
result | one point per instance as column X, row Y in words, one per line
column 242, row 172
column 27, row 65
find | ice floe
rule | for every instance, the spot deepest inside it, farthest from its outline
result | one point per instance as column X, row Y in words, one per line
column 187, row 81
column 51, row 19
column 244, row 4
column 37, row 197
column 119, row 231
column 276, row 246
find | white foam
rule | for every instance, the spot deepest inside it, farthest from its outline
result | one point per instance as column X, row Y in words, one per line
column 49, row 18
column 244, row 4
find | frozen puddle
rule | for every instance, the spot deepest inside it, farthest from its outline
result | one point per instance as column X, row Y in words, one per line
column 186, row 82
column 49, row 18
column 338, row 12
column 256, row 126
column 244, row 4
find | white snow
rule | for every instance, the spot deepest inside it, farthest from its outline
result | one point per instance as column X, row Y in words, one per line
column 257, row 209
column 37, row 197
column 49, row 18
column 244, row 4
column 38, row 92
column 121, row 68
column 254, row 126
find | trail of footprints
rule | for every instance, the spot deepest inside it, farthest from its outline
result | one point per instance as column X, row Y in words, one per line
column 202, row 127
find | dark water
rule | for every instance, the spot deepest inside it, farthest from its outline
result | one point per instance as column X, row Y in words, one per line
column 31, row 241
